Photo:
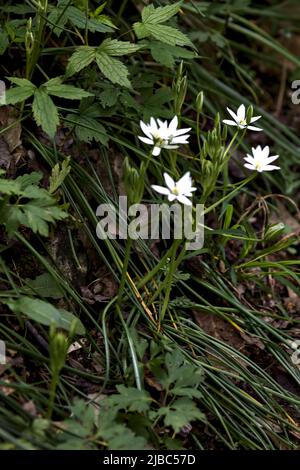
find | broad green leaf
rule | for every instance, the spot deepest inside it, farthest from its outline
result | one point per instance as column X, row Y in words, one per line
column 130, row 399
column 81, row 58
column 160, row 14
column 66, row 91
column 141, row 30
column 167, row 54
column 22, row 82
column 8, row 186
column 113, row 69
column 87, row 128
column 43, row 312
column 18, row 94
column 180, row 413
column 66, row 320
column 43, row 285
column 45, row 112
column 168, row 35
column 113, row 47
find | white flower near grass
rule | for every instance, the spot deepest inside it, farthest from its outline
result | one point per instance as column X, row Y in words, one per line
column 239, row 119
column 162, row 135
column 260, row 160
column 180, row 190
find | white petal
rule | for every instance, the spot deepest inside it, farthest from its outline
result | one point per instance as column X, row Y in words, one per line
column 271, row 159
column 173, row 125
column 170, row 147
column 233, row 115
column 145, row 129
column 160, row 189
column 184, row 200
column 172, row 197
column 271, row 168
column 241, row 112
column 182, row 131
column 253, row 128
column 265, row 152
column 255, row 118
column 169, row 181
column 156, row 151
column 180, row 140
column 146, row 140
column 251, row 167
column 153, row 124
column 185, row 183
column 229, row 122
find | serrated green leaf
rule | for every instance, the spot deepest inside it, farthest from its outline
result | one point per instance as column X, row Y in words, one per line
column 180, row 413
column 130, row 399
column 81, row 58
column 18, row 94
column 160, row 14
column 9, row 186
column 58, row 175
column 109, row 97
column 140, row 30
column 22, row 82
column 113, row 69
column 29, row 178
column 87, row 128
column 167, row 54
column 69, row 92
column 43, row 312
column 45, row 112
column 168, row 35
column 113, row 47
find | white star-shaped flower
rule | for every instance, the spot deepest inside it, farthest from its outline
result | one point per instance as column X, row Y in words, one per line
column 239, row 119
column 260, row 160
column 161, row 135
column 180, row 190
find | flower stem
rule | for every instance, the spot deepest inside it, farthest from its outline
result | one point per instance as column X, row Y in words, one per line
column 168, row 281
column 124, row 270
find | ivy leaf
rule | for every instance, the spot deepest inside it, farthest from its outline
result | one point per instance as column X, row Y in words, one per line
column 44, row 313
column 113, row 69
column 45, row 112
column 81, row 58
column 180, row 413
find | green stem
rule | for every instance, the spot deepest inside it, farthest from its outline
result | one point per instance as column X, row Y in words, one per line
column 168, row 281
column 52, row 393
column 124, row 270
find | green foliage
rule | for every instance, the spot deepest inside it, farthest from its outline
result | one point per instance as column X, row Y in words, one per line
column 44, row 313
column 23, row 202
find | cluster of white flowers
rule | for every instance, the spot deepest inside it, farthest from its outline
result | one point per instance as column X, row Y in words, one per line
column 161, row 135
column 260, row 159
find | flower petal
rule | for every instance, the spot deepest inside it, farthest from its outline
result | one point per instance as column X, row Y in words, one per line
column 241, row 112
column 249, row 166
column 272, row 159
column 233, row 115
column 253, row 128
column 180, row 140
column 156, row 151
column 265, row 152
column 255, row 118
column 185, row 183
column 145, row 129
column 160, row 189
column 182, row 131
column 270, row 168
column 184, row 200
column 173, row 125
column 172, row 197
column 169, row 181
column 229, row 122
column 153, row 124
column 146, row 140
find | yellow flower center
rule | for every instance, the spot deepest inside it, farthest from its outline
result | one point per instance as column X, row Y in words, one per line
column 175, row 191
column 243, row 122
